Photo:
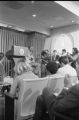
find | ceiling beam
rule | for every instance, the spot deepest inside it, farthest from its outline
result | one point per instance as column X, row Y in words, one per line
column 69, row 5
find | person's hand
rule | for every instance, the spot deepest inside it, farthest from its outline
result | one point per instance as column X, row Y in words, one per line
column 56, row 92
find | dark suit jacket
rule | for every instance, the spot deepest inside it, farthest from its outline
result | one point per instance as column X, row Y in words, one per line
column 68, row 101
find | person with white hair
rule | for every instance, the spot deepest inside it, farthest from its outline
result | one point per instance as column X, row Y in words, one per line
column 23, row 71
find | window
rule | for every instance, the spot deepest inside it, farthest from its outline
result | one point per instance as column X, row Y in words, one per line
column 63, row 41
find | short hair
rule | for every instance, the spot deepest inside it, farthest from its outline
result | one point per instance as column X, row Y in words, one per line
column 43, row 53
column 52, row 67
column 64, row 59
column 64, row 50
column 1, row 55
column 75, row 50
column 54, row 50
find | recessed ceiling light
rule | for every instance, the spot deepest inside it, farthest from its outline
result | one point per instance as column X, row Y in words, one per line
column 51, row 26
column 32, row 2
column 72, row 21
column 34, row 15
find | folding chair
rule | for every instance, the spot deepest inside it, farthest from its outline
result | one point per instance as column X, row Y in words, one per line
column 56, row 84
column 24, row 106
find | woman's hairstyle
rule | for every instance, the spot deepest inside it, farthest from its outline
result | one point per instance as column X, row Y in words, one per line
column 22, row 66
column 1, row 55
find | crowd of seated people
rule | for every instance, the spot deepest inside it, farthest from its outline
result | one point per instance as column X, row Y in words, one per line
column 55, row 56
column 58, row 66
column 23, row 70
column 67, row 102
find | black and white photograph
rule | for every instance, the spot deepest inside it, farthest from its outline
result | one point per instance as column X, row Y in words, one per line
column 39, row 60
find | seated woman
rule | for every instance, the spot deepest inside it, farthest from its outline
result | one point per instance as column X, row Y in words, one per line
column 23, row 71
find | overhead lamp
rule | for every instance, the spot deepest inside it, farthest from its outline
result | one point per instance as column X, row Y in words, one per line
column 51, row 26
column 32, row 2
column 34, row 15
column 72, row 21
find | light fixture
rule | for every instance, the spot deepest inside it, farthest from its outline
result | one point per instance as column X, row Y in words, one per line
column 51, row 26
column 34, row 15
column 32, row 2
column 72, row 21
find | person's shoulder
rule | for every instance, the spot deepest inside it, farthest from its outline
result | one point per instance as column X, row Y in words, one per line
column 60, row 69
column 57, row 75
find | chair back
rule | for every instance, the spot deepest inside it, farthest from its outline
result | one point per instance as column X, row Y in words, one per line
column 57, row 83
column 29, row 90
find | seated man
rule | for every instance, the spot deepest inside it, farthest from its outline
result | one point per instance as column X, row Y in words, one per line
column 56, row 77
column 66, row 102
column 66, row 68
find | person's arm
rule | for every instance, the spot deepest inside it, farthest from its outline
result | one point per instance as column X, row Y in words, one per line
column 62, row 94
column 73, row 57
column 14, row 86
column 65, row 101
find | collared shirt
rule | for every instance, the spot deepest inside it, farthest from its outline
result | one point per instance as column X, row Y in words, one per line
column 67, row 69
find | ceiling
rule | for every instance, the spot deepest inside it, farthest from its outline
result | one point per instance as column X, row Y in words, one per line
column 49, row 15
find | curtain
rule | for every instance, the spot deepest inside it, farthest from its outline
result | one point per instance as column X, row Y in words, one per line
column 9, row 37
column 37, row 40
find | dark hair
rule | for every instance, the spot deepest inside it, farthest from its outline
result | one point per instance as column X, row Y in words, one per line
column 64, row 50
column 64, row 59
column 1, row 55
column 52, row 67
column 75, row 50
column 43, row 53
column 54, row 50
